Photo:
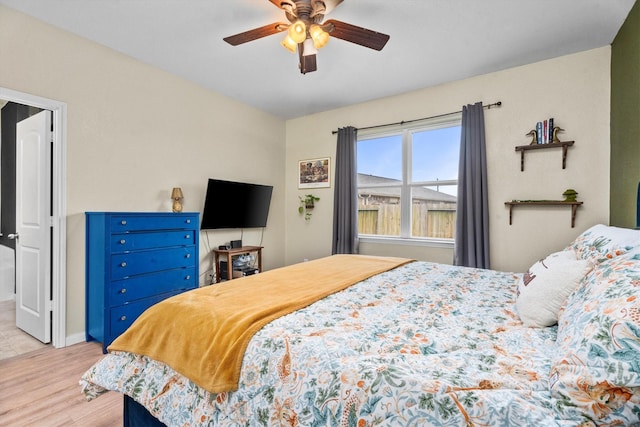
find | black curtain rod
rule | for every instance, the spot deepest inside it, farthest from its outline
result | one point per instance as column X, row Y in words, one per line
column 488, row 107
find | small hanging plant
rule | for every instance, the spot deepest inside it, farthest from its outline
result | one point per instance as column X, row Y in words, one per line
column 307, row 203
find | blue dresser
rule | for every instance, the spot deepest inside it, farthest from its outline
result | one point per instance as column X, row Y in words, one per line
column 134, row 260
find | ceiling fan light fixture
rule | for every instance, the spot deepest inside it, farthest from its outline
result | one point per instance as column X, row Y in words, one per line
column 289, row 44
column 306, row 33
column 320, row 37
column 298, row 31
column 308, row 48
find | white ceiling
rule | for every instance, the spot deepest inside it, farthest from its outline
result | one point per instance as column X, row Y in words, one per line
column 432, row 42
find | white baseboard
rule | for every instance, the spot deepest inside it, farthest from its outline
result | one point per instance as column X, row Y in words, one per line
column 74, row 339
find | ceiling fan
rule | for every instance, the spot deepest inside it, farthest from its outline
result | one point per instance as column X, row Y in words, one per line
column 307, row 33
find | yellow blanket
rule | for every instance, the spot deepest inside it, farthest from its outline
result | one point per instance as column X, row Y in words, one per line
column 203, row 334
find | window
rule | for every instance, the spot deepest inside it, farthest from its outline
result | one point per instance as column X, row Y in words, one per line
column 408, row 180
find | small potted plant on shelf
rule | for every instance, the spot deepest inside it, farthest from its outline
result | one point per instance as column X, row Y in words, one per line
column 307, row 203
column 570, row 195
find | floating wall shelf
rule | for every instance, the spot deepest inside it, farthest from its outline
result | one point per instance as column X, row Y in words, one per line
column 564, row 144
column 574, row 206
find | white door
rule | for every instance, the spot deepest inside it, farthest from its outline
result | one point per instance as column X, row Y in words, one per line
column 33, row 225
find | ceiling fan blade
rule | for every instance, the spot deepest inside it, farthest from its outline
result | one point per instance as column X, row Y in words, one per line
column 256, row 33
column 354, row 34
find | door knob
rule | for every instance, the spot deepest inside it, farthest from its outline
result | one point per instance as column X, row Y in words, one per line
column 12, row 236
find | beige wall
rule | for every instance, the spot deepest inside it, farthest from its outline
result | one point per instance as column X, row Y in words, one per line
column 134, row 132
column 573, row 89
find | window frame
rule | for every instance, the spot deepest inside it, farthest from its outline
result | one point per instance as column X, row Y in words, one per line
column 406, row 131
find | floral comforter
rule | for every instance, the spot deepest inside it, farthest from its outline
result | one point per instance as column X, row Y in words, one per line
column 423, row 344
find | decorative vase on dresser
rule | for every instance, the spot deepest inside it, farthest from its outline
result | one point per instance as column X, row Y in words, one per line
column 134, row 260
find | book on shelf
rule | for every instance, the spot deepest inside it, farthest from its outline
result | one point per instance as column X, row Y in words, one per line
column 544, row 131
column 539, row 132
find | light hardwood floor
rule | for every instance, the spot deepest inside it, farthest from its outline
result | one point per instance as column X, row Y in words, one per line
column 41, row 388
column 13, row 341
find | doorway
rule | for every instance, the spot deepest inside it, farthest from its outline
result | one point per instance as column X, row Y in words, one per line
column 58, row 207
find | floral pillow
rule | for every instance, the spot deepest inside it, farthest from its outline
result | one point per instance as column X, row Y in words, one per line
column 601, row 242
column 544, row 288
column 596, row 370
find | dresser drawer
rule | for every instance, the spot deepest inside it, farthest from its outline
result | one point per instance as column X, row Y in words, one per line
column 121, row 317
column 134, row 263
column 140, row 241
column 135, row 288
column 124, row 223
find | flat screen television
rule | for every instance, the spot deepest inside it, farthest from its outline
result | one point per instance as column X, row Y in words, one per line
column 230, row 204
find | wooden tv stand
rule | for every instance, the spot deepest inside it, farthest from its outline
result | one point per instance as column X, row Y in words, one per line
column 229, row 254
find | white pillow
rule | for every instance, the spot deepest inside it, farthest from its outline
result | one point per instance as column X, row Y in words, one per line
column 545, row 287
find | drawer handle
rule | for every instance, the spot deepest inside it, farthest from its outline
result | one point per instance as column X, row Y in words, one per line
column 122, row 241
column 187, row 278
column 188, row 236
column 123, row 222
column 188, row 221
column 123, row 290
column 187, row 256
column 123, row 264
column 123, row 318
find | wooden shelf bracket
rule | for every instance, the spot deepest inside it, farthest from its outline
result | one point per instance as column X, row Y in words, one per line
column 564, row 144
column 574, row 207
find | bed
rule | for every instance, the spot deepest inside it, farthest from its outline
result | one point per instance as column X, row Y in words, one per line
column 417, row 343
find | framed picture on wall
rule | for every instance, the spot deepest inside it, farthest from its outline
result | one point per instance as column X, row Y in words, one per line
column 314, row 173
